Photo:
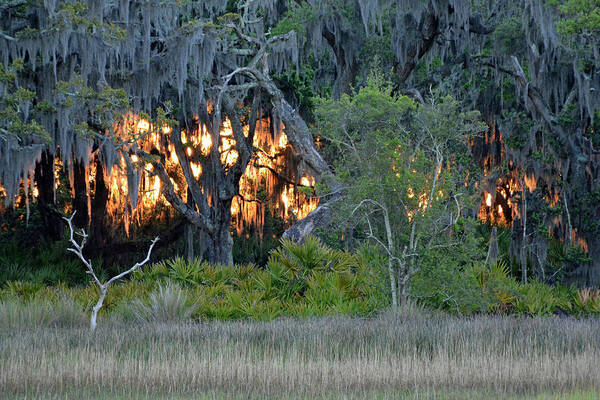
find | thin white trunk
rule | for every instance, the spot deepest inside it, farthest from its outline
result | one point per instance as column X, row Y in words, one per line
column 392, row 282
column 403, row 277
column 438, row 169
column 524, row 239
column 97, row 307
column 412, row 247
column 390, row 240
column 78, row 250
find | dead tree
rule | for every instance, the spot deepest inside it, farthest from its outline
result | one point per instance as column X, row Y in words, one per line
column 78, row 250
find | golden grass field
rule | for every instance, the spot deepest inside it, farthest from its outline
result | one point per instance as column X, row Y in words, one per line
column 407, row 354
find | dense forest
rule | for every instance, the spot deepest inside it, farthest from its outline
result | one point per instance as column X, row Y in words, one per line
column 442, row 132
column 300, row 199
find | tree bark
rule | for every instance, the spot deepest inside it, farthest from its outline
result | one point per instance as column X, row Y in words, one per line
column 189, row 233
column 429, row 32
column 219, row 243
column 524, row 238
column 98, row 229
column 492, row 254
column 80, row 201
column 345, row 74
column 46, row 201
column 401, row 270
column 189, row 241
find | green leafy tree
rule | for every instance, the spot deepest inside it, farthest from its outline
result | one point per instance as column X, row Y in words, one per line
column 579, row 17
column 403, row 166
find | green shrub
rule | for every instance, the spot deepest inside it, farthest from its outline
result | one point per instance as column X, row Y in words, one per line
column 117, row 295
column 22, row 290
column 497, row 287
column 302, row 260
column 45, row 264
column 446, row 287
column 586, row 301
column 294, row 269
column 155, row 273
column 535, row 298
column 218, row 308
column 565, row 298
column 185, row 273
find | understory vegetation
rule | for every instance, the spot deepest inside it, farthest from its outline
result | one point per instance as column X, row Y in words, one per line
column 298, row 281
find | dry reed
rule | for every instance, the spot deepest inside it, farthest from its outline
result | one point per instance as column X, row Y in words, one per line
column 408, row 353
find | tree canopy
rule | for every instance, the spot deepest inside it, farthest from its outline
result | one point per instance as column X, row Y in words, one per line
column 77, row 77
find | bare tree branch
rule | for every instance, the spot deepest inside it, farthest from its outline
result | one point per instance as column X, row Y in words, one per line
column 78, row 250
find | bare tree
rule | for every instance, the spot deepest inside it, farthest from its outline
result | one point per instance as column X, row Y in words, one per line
column 78, row 250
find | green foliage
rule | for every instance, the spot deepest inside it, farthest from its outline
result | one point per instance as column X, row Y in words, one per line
column 580, row 16
column 536, row 298
column 23, row 290
column 17, row 111
column 295, row 19
column 509, row 36
column 77, row 16
column 401, row 164
column 302, row 260
column 183, row 272
column 299, row 83
column 107, row 104
column 482, row 288
column 586, row 301
column 563, row 260
column 44, row 264
column 87, row 296
column 425, row 69
column 299, row 280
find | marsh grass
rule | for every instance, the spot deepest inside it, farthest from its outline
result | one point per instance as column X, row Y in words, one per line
column 167, row 304
column 411, row 354
column 18, row 315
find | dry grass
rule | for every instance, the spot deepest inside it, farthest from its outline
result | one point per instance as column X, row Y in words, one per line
column 411, row 354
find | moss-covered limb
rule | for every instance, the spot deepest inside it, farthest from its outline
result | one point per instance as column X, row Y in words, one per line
column 112, row 58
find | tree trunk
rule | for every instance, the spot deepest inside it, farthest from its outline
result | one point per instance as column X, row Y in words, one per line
column 219, row 246
column 46, row 201
column 592, row 278
column 393, row 282
column 98, row 230
column 401, row 270
column 429, row 31
column 493, row 252
column 97, row 307
column 189, row 232
column 189, row 241
column 524, row 238
column 80, row 202
column 219, row 243
column 402, row 293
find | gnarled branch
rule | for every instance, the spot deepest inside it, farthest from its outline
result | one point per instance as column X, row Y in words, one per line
column 78, row 250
